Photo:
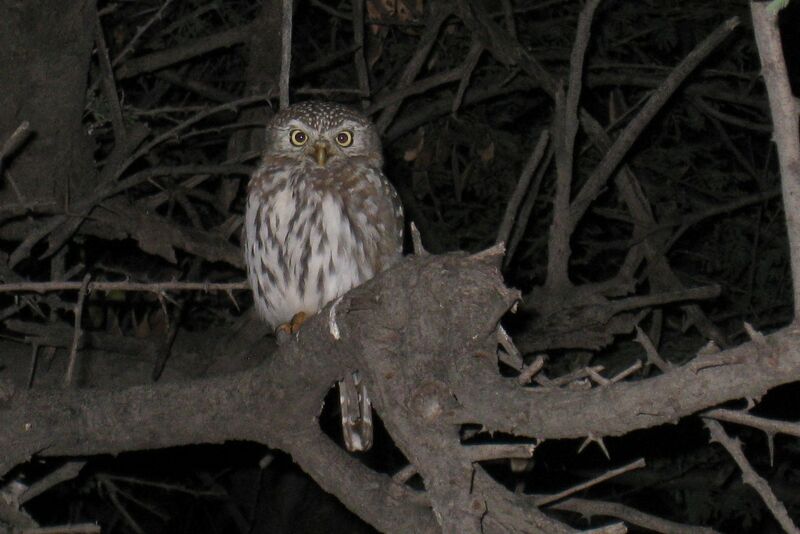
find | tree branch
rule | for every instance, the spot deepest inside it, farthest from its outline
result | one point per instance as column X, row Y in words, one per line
column 785, row 111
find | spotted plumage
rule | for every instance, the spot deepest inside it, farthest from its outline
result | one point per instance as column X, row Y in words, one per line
column 321, row 217
column 313, row 231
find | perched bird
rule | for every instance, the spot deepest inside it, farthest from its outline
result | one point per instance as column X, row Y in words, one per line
column 321, row 218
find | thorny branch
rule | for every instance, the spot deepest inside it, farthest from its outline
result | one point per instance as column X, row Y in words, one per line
column 425, row 334
column 750, row 477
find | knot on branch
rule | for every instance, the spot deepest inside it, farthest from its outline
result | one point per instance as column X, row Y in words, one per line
column 432, row 400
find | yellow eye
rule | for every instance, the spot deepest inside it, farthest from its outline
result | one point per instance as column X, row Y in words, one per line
column 298, row 137
column 344, row 138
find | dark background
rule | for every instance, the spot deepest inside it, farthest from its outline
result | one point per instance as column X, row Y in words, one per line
column 455, row 169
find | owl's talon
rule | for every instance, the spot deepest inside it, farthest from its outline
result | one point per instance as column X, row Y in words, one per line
column 297, row 321
column 285, row 328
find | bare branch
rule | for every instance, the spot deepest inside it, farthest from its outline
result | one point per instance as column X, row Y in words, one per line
column 286, row 51
column 625, row 140
column 785, row 111
column 165, row 58
column 151, row 287
column 593, row 507
column 73, row 351
column 426, row 42
column 770, row 426
column 533, row 163
column 544, row 500
column 750, row 477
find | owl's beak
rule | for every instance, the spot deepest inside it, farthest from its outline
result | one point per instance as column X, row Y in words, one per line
column 321, row 153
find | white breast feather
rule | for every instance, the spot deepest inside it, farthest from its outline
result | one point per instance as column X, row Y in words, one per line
column 284, row 298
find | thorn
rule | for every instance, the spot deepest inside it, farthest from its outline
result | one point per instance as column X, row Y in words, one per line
column 591, row 438
column 491, row 252
column 416, row 241
column 514, row 358
column 709, row 348
column 755, row 336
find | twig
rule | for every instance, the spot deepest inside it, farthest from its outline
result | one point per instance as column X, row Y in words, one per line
column 573, row 376
column 34, row 361
column 544, row 500
column 625, row 373
column 652, row 353
column 80, row 528
column 691, row 219
column 510, row 355
column 68, row 471
column 152, row 287
column 136, row 481
column 770, row 426
column 644, row 301
column 426, row 42
column 616, row 528
column 596, row 377
column 718, row 117
column 358, row 56
column 471, row 61
column 621, row 145
column 107, row 80
column 426, row 113
column 47, row 227
column 496, row 451
column 508, row 13
column 139, row 32
column 331, row 11
column 529, row 371
column 509, row 51
column 203, row 89
column 165, row 58
column 286, row 51
column 592, row 507
column 165, row 349
column 785, row 110
column 750, row 477
column 194, row 119
column 420, row 86
column 73, row 352
column 405, row 474
column 582, row 34
column 14, row 141
column 527, row 207
column 112, row 490
column 324, row 62
column 510, row 215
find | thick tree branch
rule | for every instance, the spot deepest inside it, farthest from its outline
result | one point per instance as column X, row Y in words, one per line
column 403, row 330
column 785, row 111
column 746, row 371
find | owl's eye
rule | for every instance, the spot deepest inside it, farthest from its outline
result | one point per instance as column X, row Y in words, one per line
column 298, row 137
column 344, row 138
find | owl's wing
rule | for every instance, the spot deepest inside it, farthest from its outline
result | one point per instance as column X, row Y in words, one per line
column 393, row 214
column 374, row 210
column 390, row 214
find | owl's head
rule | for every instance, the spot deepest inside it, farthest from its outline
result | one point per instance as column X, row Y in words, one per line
column 323, row 133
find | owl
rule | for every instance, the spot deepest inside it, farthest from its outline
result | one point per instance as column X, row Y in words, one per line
column 321, row 218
